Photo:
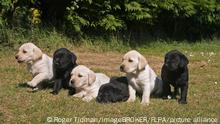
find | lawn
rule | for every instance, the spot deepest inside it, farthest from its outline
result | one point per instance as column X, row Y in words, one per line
column 19, row 105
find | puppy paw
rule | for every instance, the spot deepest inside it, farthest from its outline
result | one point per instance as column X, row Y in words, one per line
column 78, row 95
column 54, row 92
column 35, row 89
column 145, row 103
column 31, row 84
column 87, row 99
column 167, row 97
column 130, row 100
column 182, row 101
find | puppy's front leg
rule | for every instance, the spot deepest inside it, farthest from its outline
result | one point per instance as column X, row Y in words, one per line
column 132, row 94
column 166, row 90
column 91, row 96
column 184, row 90
column 146, row 95
column 37, row 79
column 57, row 86
column 176, row 92
column 87, row 98
column 79, row 94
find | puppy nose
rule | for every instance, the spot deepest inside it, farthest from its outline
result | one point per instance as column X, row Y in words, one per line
column 16, row 57
column 72, row 82
column 121, row 67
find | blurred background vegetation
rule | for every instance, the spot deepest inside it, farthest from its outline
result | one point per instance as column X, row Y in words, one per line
column 130, row 21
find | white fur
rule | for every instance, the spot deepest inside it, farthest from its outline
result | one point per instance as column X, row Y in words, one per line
column 86, row 82
column 140, row 76
column 38, row 64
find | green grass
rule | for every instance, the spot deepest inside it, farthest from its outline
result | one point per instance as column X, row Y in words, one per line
column 19, row 105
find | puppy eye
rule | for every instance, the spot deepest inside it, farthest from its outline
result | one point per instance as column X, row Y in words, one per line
column 24, row 51
column 80, row 75
column 130, row 60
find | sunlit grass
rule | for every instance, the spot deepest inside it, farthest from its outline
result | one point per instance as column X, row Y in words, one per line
column 19, row 105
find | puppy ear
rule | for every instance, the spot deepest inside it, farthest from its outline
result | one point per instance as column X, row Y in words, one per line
column 183, row 61
column 37, row 53
column 91, row 77
column 142, row 62
column 73, row 58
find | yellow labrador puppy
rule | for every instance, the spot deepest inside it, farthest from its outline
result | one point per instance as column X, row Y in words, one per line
column 38, row 64
column 140, row 76
column 86, row 82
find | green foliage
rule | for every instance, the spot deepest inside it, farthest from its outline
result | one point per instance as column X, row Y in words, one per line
column 19, row 12
column 135, row 11
column 75, row 21
column 21, row 16
column 209, row 12
column 192, row 19
column 99, row 14
column 1, row 21
column 5, row 7
column 109, row 22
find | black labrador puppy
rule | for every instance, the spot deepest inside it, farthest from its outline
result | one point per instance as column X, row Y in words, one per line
column 175, row 72
column 114, row 91
column 63, row 63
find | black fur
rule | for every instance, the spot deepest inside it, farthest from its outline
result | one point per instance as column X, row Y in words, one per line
column 114, row 91
column 175, row 72
column 63, row 63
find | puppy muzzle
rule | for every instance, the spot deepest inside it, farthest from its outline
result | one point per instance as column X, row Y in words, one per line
column 71, row 83
column 122, row 68
column 18, row 59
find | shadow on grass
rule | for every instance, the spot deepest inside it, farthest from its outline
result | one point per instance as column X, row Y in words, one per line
column 41, row 86
column 22, row 85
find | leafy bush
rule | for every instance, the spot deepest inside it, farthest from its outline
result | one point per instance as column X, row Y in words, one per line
column 183, row 19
